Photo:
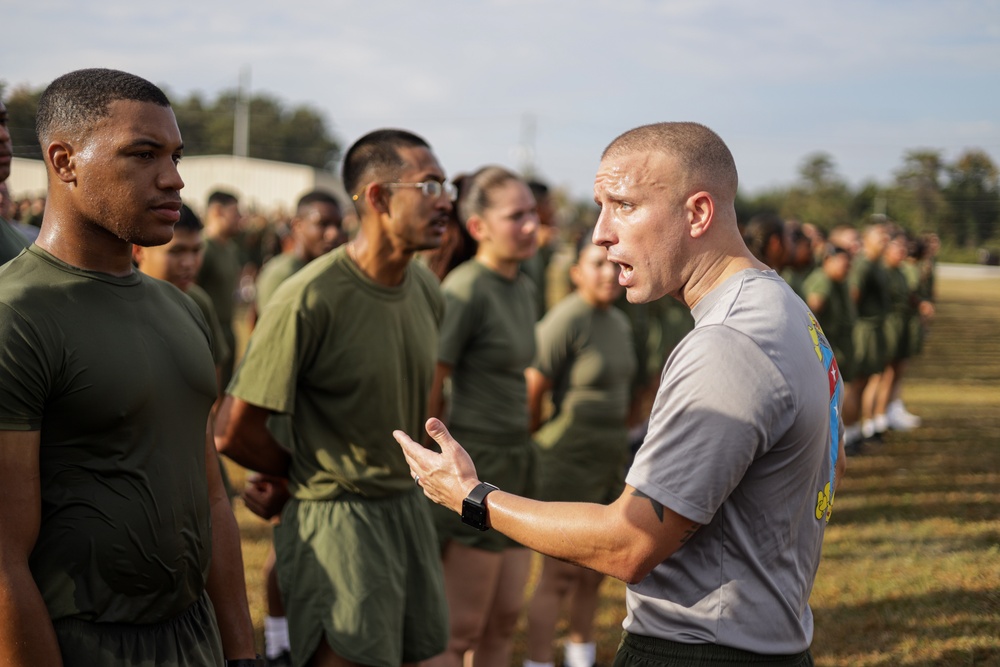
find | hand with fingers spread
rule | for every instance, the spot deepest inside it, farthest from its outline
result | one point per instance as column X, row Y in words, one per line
column 446, row 478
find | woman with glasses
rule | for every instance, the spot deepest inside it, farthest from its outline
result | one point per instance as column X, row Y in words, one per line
column 487, row 342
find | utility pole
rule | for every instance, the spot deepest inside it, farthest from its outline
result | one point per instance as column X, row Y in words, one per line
column 241, row 126
column 526, row 150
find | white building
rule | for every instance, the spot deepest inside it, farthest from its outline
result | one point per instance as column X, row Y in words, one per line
column 262, row 186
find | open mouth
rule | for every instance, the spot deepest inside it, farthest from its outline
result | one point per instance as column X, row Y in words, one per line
column 626, row 273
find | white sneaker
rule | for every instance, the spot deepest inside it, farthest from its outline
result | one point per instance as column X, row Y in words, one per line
column 867, row 429
column 900, row 418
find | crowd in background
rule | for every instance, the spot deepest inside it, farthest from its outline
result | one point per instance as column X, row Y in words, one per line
column 871, row 290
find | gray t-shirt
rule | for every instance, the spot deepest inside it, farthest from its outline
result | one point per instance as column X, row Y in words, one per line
column 742, row 439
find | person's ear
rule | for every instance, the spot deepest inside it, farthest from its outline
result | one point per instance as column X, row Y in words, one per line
column 62, row 157
column 377, row 197
column 700, row 208
column 137, row 254
column 477, row 228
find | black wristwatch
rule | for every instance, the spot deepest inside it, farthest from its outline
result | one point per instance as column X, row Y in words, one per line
column 474, row 511
column 246, row 662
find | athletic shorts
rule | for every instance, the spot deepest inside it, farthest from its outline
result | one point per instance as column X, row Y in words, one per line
column 188, row 640
column 364, row 574
column 897, row 336
column 510, row 465
column 583, row 463
column 870, row 350
column 640, row 651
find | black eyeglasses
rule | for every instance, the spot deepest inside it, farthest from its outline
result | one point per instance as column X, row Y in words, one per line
column 429, row 189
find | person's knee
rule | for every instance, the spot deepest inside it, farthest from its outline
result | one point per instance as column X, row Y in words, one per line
column 466, row 631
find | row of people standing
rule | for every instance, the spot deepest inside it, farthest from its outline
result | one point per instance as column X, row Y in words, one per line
column 872, row 292
column 584, row 363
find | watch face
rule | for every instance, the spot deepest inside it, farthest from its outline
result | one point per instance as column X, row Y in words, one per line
column 474, row 515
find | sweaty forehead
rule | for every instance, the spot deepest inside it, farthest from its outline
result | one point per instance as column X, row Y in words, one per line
column 633, row 173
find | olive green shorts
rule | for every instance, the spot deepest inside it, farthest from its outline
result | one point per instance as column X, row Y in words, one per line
column 639, row 651
column 897, row 336
column 509, row 465
column 365, row 575
column 870, row 350
column 582, row 463
column 188, row 640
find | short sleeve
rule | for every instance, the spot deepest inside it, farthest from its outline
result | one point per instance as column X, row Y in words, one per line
column 282, row 343
column 553, row 344
column 24, row 375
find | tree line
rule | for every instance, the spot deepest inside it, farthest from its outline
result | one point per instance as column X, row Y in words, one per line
column 298, row 134
column 959, row 200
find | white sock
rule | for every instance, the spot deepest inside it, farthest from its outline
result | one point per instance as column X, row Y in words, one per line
column 580, row 655
column 881, row 423
column 852, row 434
column 532, row 663
column 276, row 636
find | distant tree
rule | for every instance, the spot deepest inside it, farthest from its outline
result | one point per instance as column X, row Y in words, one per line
column 973, row 194
column 821, row 196
column 919, row 191
column 299, row 134
column 22, row 105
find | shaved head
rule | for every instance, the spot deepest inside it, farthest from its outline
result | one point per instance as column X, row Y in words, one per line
column 704, row 158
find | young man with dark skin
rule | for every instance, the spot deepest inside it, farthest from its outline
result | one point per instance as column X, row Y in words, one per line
column 112, row 486
column 11, row 241
column 720, row 526
column 347, row 348
column 316, row 229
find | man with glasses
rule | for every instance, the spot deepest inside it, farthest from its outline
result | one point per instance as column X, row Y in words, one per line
column 347, row 348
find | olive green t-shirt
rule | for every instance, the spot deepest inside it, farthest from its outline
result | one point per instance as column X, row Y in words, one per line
column 220, row 349
column 588, row 354
column 276, row 271
column 11, row 242
column 872, row 283
column 350, row 360
column 488, row 338
column 117, row 375
column 836, row 318
column 900, row 290
column 219, row 276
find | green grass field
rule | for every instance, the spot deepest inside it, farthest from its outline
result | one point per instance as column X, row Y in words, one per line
column 911, row 566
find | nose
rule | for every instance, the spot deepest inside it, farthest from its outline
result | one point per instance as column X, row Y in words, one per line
column 171, row 177
column 602, row 231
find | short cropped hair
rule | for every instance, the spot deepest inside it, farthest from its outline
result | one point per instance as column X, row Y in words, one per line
column 705, row 159
column 475, row 198
column 316, row 197
column 539, row 189
column 222, row 198
column 760, row 230
column 189, row 220
column 375, row 158
column 74, row 102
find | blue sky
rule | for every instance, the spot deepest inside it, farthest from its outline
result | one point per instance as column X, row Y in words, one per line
column 778, row 80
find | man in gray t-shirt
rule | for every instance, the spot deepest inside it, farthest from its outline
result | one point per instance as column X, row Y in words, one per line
column 720, row 526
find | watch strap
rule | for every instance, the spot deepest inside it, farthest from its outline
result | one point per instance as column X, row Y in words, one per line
column 478, row 494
